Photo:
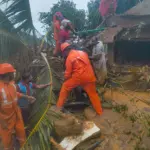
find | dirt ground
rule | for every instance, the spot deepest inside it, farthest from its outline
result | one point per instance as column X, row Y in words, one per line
column 119, row 133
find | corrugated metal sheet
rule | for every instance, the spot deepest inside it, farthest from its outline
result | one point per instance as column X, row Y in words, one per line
column 142, row 9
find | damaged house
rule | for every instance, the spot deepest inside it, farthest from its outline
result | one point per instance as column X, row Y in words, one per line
column 127, row 37
column 127, row 40
column 131, row 41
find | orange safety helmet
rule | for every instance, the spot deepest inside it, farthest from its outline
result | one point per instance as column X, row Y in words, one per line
column 64, row 46
column 6, row 68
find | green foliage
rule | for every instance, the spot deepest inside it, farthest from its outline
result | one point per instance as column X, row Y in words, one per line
column 41, row 122
column 124, row 5
column 41, row 96
column 133, row 118
column 19, row 13
column 94, row 18
column 69, row 10
column 120, row 108
column 77, row 16
column 12, row 50
column 5, row 23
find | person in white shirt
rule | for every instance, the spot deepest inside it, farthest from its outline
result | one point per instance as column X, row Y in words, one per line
column 99, row 62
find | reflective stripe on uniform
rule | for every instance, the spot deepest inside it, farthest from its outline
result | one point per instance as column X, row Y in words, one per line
column 14, row 86
column 8, row 103
column 16, row 90
column 4, row 96
column 5, row 100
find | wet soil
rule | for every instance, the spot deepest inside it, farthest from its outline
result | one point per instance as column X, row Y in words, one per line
column 119, row 133
column 68, row 126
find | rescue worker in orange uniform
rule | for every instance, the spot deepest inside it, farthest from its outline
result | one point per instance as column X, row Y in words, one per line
column 79, row 72
column 60, row 24
column 56, row 24
column 10, row 115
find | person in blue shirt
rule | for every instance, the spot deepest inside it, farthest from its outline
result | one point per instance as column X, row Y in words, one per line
column 25, row 86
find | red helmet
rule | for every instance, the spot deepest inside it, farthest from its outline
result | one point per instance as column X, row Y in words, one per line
column 6, row 68
column 64, row 46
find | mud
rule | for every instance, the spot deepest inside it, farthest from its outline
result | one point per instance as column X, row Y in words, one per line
column 119, row 133
column 135, row 101
column 68, row 126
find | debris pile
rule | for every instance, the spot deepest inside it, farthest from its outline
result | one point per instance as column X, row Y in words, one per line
column 68, row 126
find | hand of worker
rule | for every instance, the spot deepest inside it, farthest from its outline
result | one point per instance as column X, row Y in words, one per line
column 49, row 84
column 42, row 86
column 31, row 99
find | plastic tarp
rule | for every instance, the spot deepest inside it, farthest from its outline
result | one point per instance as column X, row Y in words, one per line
column 107, row 6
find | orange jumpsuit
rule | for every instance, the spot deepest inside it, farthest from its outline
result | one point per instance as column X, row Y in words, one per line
column 10, row 113
column 56, row 35
column 79, row 72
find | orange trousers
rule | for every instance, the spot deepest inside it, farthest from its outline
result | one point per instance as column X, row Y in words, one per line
column 89, row 88
column 14, row 124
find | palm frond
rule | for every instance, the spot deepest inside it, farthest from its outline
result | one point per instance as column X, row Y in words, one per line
column 40, row 123
column 19, row 13
column 5, row 23
column 12, row 50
